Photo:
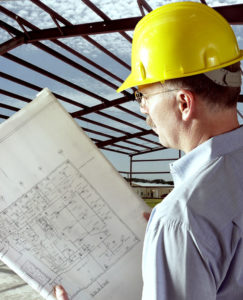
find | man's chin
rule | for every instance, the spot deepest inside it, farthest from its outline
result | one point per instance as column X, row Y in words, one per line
column 155, row 130
column 164, row 142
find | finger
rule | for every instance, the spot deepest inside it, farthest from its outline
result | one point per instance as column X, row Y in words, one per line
column 146, row 215
column 60, row 293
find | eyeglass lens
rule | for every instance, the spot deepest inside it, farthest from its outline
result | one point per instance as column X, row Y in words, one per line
column 138, row 96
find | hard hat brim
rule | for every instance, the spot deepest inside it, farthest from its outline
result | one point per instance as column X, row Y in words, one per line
column 126, row 84
column 131, row 81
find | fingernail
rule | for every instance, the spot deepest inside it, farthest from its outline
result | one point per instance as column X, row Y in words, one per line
column 58, row 291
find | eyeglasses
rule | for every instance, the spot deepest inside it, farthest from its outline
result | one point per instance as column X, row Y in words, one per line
column 138, row 96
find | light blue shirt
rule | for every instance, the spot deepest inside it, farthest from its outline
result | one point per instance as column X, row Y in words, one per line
column 193, row 247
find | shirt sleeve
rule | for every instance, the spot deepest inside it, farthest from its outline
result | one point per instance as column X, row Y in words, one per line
column 173, row 266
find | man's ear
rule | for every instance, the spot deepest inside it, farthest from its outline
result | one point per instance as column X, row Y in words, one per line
column 186, row 104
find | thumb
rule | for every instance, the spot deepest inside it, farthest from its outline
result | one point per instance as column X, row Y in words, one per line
column 146, row 215
column 60, row 293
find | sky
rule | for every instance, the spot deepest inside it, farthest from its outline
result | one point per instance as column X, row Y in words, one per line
column 78, row 13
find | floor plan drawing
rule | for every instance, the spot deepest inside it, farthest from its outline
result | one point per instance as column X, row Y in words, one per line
column 66, row 215
column 62, row 221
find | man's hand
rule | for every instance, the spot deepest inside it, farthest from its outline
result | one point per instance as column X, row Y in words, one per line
column 146, row 215
column 60, row 293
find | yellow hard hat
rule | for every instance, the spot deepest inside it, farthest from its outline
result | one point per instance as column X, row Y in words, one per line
column 179, row 40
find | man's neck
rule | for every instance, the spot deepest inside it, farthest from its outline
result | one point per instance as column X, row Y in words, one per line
column 209, row 125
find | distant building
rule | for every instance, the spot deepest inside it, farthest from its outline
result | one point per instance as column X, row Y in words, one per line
column 152, row 191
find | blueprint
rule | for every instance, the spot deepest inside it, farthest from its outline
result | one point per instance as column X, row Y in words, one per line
column 67, row 217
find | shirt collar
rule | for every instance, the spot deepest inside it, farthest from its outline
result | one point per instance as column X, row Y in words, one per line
column 211, row 149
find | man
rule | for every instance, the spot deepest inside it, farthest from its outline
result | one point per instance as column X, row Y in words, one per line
column 185, row 62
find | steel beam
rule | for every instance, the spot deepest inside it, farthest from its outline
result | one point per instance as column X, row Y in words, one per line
column 143, row 4
column 158, row 159
column 110, row 136
column 166, row 172
column 15, row 96
column 99, row 107
column 153, row 150
column 3, row 117
column 114, row 150
column 10, row 29
column 105, row 17
column 123, row 138
column 11, row 44
column 130, row 173
column 232, row 13
column 9, row 107
column 83, row 29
